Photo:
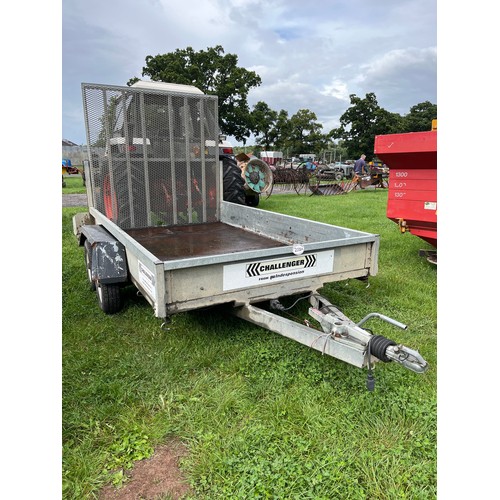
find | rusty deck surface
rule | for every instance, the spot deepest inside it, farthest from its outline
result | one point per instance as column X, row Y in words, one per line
column 199, row 240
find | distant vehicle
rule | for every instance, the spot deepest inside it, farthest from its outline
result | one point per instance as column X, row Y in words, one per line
column 307, row 157
column 292, row 163
column 225, row 147
column 67, row 168
column 376, row 164
column 338, row 171
column 272, row 158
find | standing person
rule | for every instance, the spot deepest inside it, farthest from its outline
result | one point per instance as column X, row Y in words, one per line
column 310, row 165
column 360, row 167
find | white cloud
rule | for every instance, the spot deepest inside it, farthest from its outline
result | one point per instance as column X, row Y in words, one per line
column 337, row 89
column 399, row 60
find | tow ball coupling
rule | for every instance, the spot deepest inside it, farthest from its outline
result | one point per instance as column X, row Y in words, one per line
column 338, row 327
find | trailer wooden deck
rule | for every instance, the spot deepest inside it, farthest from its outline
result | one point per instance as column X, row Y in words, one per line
column 199, row 240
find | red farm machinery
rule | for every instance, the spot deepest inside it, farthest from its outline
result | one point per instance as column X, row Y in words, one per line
column 412, row 197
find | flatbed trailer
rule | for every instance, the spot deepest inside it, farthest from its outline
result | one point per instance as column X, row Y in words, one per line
column 157, row 220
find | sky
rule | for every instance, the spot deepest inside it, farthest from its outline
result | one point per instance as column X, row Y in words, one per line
column 309, row 55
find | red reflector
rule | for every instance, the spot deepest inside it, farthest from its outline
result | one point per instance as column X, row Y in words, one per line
column 228, row 151
column 131, row 148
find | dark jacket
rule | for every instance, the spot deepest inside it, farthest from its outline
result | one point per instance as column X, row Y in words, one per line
column 358, row 166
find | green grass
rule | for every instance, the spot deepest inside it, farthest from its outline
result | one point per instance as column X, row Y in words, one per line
column 261, row 415
column 74, row 185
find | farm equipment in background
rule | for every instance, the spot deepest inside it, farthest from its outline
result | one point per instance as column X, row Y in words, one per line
column 378, row 177
column 257, row 177
column 412, row 200
column 68, row 169
column 324, row 179
column 323, row 185
column 272, row 158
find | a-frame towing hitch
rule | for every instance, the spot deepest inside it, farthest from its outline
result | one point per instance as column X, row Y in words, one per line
column 339, row 337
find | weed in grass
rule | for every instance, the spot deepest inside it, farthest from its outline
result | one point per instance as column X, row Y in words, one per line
column 132, row 445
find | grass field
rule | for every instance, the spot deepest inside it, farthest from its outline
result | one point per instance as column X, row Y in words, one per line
column 261, row 416
column 74, row 185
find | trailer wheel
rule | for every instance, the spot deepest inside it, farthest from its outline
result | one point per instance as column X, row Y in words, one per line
column 109, row 297
column 88, row 262
column 232, row 182
column 252, row 200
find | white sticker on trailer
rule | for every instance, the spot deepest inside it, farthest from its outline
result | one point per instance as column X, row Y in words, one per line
column 262, row 272
column 147, row 279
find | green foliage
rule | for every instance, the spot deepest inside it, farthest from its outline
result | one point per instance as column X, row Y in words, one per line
column 261, row 415
column 361, row 122
column 215, row 74
column 359, row 125
column 304, row 132
column 132, row 445
column 365, row 119
column 420, row 117
column 301, row 132
column 263, row 120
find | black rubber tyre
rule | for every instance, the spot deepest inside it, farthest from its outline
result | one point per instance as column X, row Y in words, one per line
column 339, row 176
column 88, row 263
column 252, row 200
column 109, row 297
column 232, row 182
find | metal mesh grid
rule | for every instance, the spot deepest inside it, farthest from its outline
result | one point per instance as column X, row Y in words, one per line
column 154, row 156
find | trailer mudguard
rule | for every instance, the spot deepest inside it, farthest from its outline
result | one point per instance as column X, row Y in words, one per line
column 108, row 261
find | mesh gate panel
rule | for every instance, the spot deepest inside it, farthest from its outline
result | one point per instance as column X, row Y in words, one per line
column 154, row 156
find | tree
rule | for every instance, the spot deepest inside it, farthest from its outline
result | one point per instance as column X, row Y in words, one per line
column 365, row 119
column 420, row 117
column 361, row 122
column 214, row 74
column 281, row 131
column 263, row 120
column 304, row 133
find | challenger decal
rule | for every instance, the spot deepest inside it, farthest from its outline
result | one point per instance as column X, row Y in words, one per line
column 260, row 268
column 262, row 272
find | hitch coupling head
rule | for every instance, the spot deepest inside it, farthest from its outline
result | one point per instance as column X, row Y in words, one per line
column 387, row 350
column 407, row 357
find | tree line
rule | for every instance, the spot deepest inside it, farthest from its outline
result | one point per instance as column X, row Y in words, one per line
column 217, row 73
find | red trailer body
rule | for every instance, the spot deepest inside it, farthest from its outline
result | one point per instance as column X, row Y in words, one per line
column 412, row 197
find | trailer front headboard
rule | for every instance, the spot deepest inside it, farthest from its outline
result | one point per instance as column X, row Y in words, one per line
column 153, row 154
